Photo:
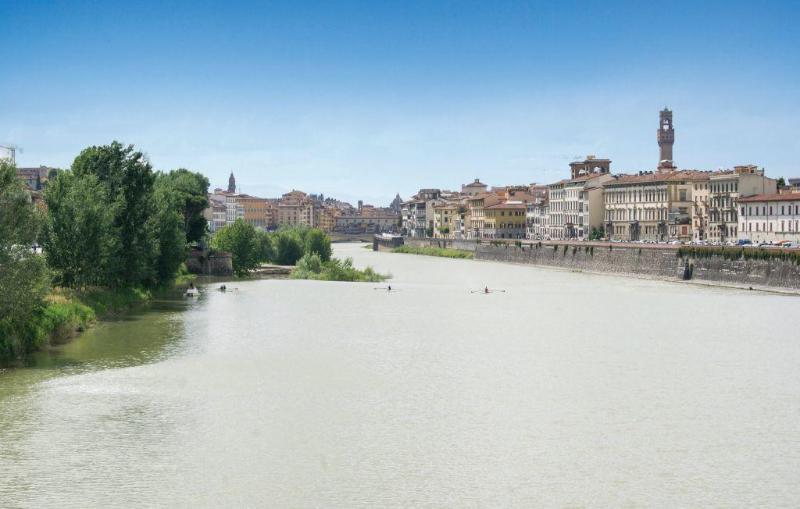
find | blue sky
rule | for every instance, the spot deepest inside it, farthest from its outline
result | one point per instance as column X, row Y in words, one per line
column 366, row 99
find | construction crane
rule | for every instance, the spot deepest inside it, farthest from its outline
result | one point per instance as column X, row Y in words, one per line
column 12, row 152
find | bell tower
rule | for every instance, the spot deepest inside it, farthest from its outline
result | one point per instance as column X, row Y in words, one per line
column 666, row 138
column 231, row 184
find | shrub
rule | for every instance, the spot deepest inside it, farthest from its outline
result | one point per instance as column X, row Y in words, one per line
column 434, row 251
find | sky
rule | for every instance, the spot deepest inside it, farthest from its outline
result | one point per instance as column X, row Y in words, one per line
column 365, row 99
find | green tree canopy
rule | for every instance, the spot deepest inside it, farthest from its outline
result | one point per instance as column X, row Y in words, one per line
column 128, row 179
column 317, row 242
column 241, row 240
column 24, row 277
column 266, row 251
column 168, row 226
column 79, row 238
column 288, row 247
column 188, row 192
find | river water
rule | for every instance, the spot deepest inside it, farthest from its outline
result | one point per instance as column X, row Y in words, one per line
column 566, row 390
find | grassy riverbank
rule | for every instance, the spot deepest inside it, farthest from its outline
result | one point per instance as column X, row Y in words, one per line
column 66, row 313
column 310, row 266
column 435, row 251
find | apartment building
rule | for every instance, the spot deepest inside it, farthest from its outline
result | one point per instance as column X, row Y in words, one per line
column 770, row 217
column 537, row 219
column 700, row 194
column 504, row 220
column 297, row 209
column 418, row 213
column 255, row 210
column 725, row 190
column 651, row 206
column 476, row 206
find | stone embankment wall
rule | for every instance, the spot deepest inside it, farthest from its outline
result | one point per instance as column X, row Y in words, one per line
column 217, row 264
column 657, row 261
column 381, row 243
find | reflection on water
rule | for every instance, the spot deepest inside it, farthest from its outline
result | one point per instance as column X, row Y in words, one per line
column 566, row 390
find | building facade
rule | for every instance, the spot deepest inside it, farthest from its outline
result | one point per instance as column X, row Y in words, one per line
column 725, row 190
column 651, row 206
column 297, row 209
column 700, row 210
column 537, row 219
column 770, row 218
column 505, row 220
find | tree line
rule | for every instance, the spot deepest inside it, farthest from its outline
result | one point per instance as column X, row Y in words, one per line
column 109, row 221
column 250, row 247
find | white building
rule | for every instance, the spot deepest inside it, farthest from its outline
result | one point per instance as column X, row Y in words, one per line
column 770, row 217
column 725, row 190
column 418, row 213
column 537, row 219
column 576, row 206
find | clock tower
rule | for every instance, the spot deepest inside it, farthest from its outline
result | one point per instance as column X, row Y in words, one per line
column 666, row 137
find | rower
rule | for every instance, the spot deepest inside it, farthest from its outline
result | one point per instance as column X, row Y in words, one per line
column 486, row 290
column 389, row 288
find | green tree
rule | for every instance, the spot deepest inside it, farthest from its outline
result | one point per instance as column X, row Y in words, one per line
column 168, row 225
column 317, row 242
column 128, row 179
column 241, row 241
column 596, row 233
column 79, row 237
column 189, row 194
column 288, row 247
column 781, row 182
column 24, row 278
column 266, row 252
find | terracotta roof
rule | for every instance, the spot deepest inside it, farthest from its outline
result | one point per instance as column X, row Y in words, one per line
column 771, row 197
column 672, row 176
column 507, row 205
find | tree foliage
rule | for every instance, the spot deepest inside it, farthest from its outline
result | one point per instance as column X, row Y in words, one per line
column 289, row 247
column 24, row 277
column 241, row 240
column 112, row 222
column 79, row 238
column 128, row 179
column 317, row 242
column 188, row 194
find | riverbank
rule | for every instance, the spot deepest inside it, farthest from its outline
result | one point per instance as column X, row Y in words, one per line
column 732, row 267
column 435, row 251
column 66, row 313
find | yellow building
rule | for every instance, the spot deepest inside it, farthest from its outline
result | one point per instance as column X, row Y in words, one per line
column 327, row 218
column 255, row 210
column 505, row 220
column 296, row 209
column 477, row 213
column 444, row 219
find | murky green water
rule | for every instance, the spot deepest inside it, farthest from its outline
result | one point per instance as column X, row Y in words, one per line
column 566, row 390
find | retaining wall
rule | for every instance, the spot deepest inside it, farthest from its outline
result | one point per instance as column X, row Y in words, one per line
column 657, row 261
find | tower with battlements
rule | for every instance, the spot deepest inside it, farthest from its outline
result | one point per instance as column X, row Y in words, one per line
column 666, row 138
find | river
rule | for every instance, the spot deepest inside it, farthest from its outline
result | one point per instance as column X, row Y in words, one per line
column 565, row 390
